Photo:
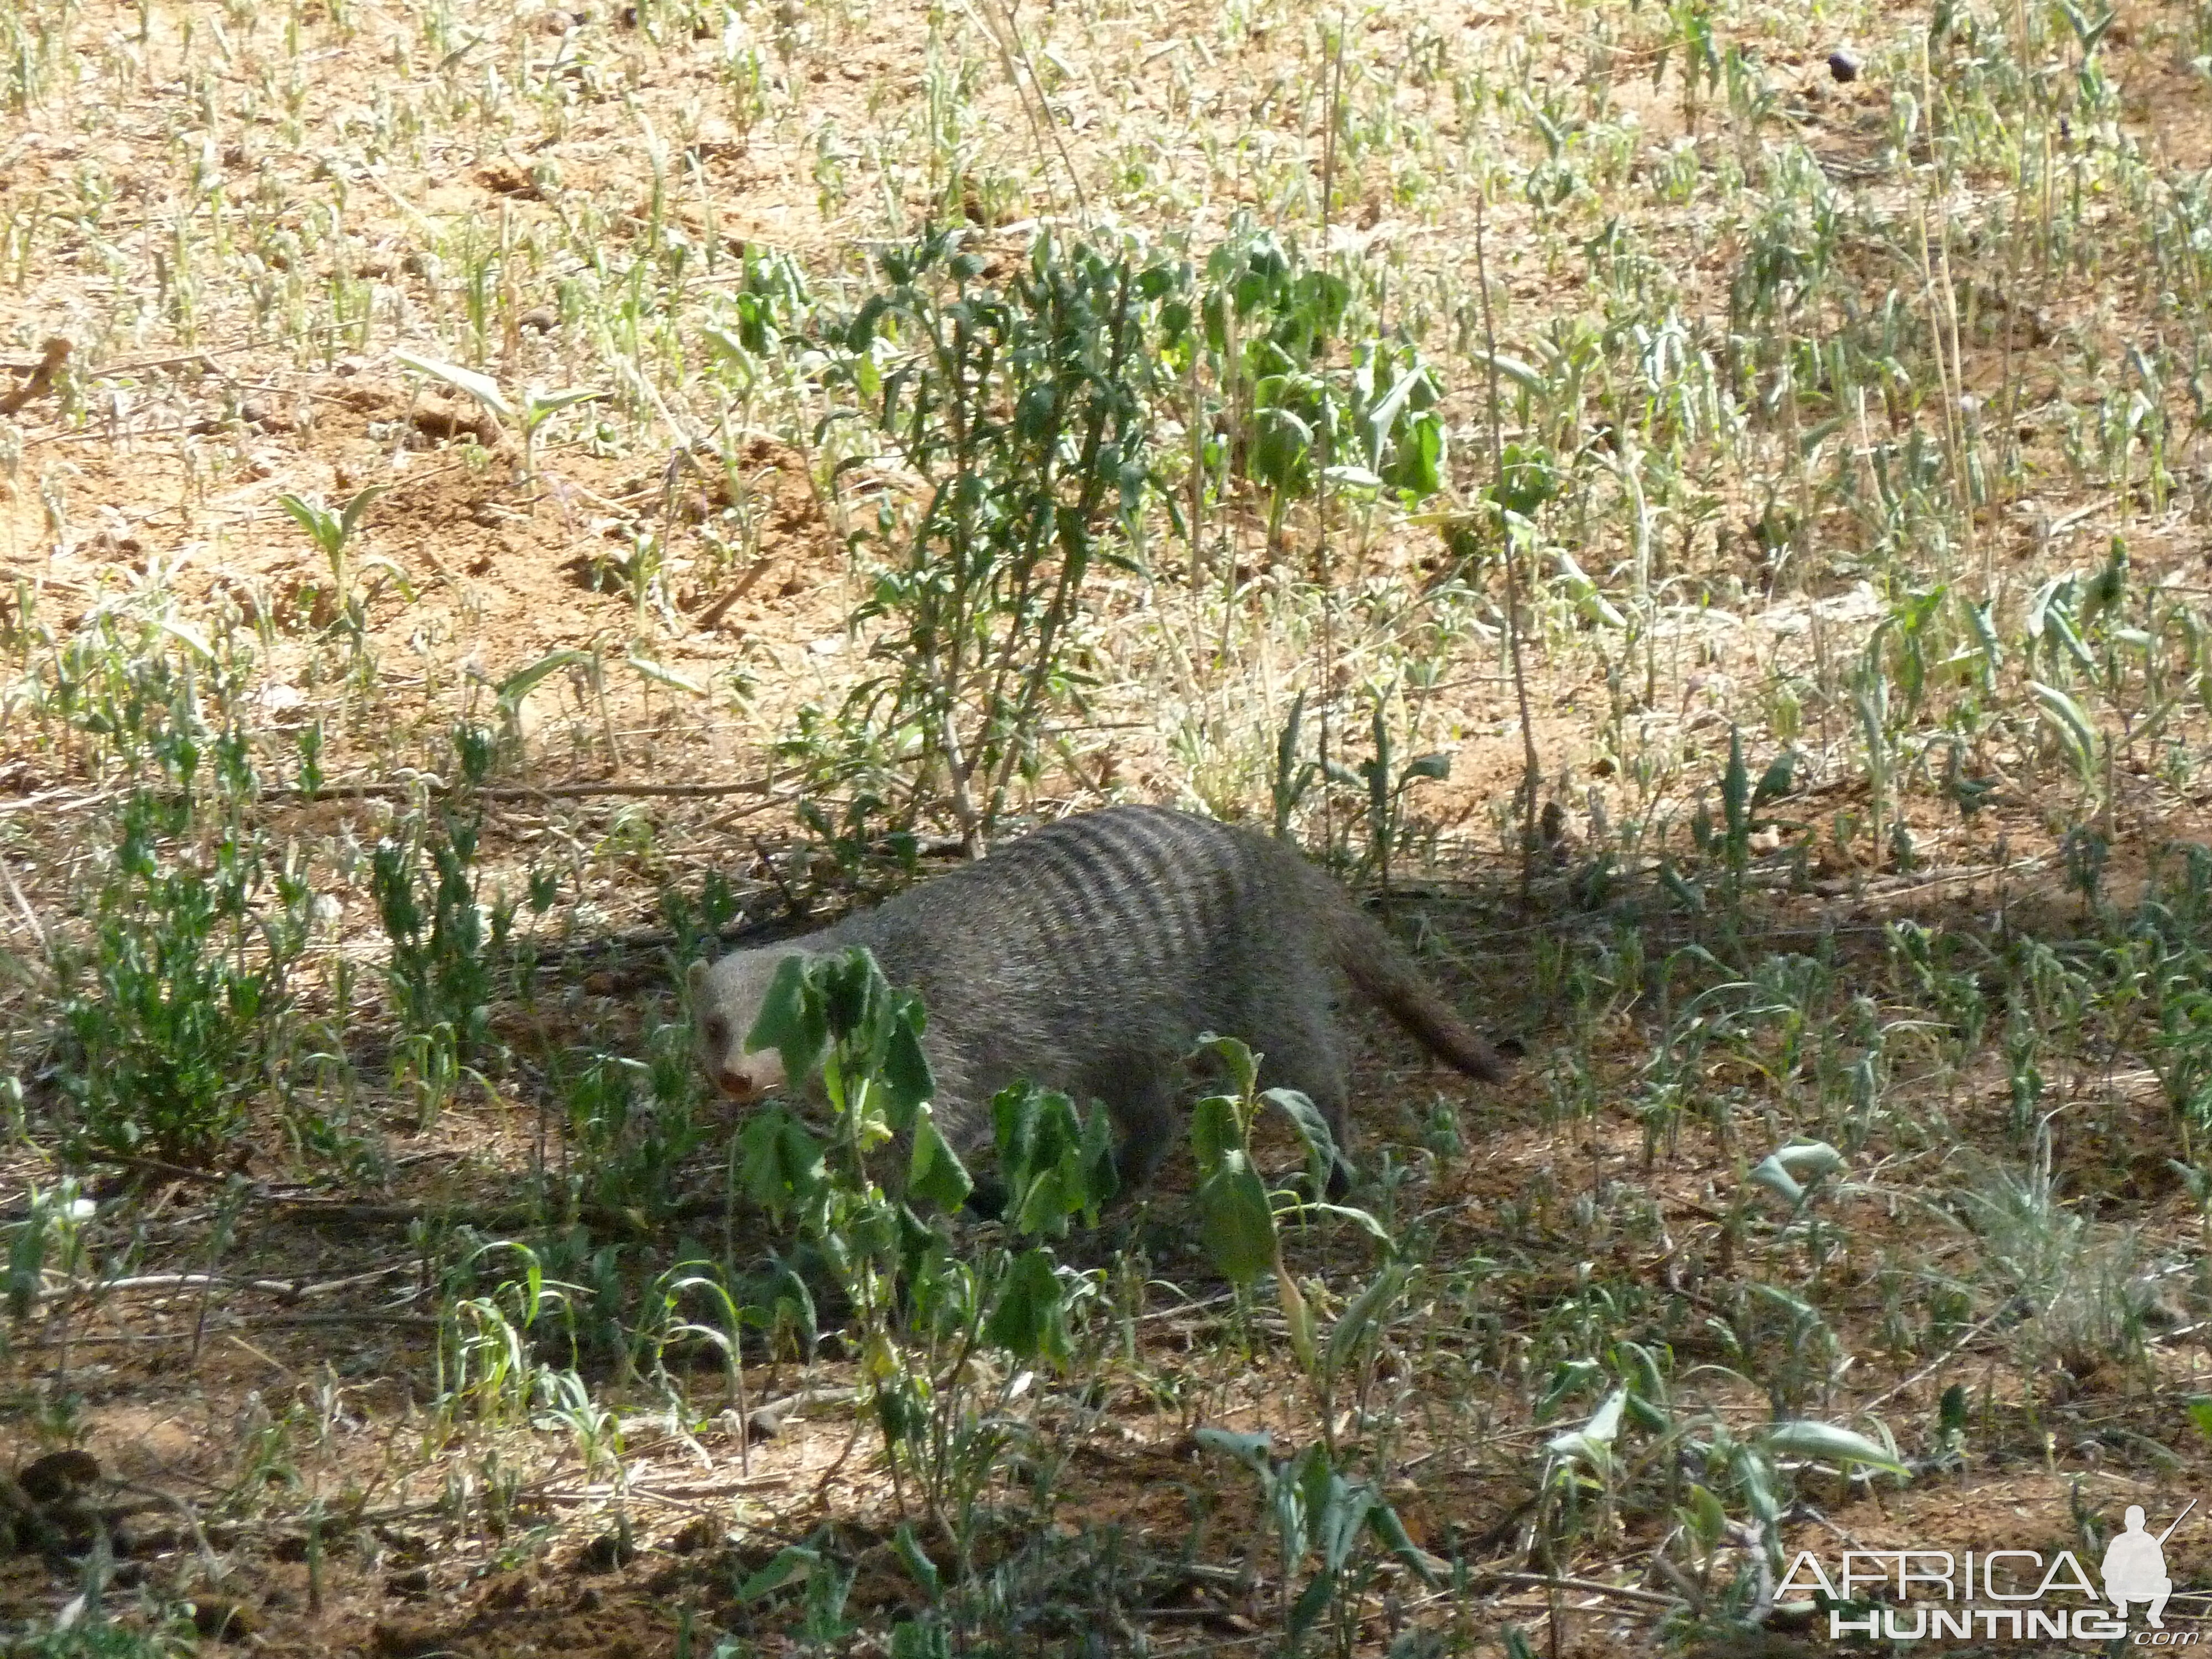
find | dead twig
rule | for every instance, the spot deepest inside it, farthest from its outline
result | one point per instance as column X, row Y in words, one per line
column 326, row 1213
column 1577, row 1586
column 713, row 614
column 270, row 1322
column 63, row 800
column 41, row 381
column 519, row 792
column 290, row 1290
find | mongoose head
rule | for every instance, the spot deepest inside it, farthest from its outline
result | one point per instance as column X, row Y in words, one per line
column 727, row 999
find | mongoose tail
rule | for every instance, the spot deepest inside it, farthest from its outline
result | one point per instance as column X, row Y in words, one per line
column 1382, row 975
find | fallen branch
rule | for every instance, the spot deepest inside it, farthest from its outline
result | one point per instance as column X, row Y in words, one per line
column 326, row 1211
column 41, row 380
column 290, row 1290
column 521, row 791
column 63, row 800
column 682, row 1496
column 1579, row 1586
column 270, row 1322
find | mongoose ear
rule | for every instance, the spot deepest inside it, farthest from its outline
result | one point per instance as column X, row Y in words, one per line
column 695, row 977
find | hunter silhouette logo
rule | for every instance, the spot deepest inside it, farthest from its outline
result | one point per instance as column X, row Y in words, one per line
column 2134, row 1567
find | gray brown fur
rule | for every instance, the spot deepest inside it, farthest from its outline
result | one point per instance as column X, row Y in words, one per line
column 1089, row 956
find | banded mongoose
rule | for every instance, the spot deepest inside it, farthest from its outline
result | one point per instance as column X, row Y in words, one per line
column 1090, row 956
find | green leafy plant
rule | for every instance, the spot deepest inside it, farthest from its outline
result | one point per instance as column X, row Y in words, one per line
column 1386, row 783
column 1240, row 1219
column 49, row 1238
column 1740, row 801
column 173, row 1019
column 526, row 414
column 1333, row 1529
column 332, row 532
column 1294, row 420
column 922, row 1307
column 1025, row 412
column 1293, row 776
column 443, row 946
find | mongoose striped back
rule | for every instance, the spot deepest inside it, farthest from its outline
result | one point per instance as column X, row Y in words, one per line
column 1088, row 957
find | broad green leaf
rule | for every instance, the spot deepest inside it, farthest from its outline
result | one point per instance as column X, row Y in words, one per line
column 1754, row 1473
column 1642, row 1365
column 538, row 405
column 906, row 1070
column 1522, row 373
column 793, row 1565
column 1048, row 1158
column 1826, row 1441
column 1313, row 1600
column 362, row 501
column 1417, row 466
column 1775, row 782
column 668, row 677
column 1601, row 1429
column 1235, row 1222
column 1568, row 1376
column 1214, row 1133
column 791, row 1021
column 2072, row 725
column 1383, row 1521
column 1789, row 1170
column 1437, row 765
column 779, row 1161
column 1030, row 1319
column 1313, row 1128
column 1586, row 594
column 934, row 1171
column 520, row 684
column 1235, row 1056
column 482, row 387
column 1385, row 415
column 321, row 524
column 919, row 1566
column 1255, row 1451
column 1708, row 1519
column 1367, row 1309
column 852, row 991
column 185, row 634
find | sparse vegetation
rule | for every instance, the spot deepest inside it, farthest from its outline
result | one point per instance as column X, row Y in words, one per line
column 495, row 503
